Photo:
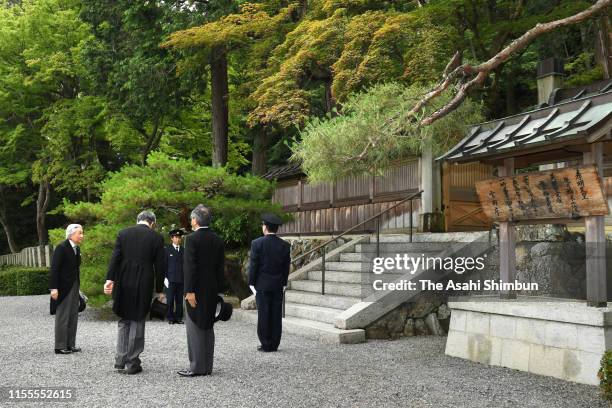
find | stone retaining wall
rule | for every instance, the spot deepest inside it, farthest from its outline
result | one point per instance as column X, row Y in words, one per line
column 548, row 255
column 557, row 338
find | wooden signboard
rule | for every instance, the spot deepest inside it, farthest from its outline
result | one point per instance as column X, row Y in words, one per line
column 571, row 192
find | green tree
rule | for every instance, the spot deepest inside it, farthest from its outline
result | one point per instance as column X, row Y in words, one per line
column 39, row 68
column 373, row 130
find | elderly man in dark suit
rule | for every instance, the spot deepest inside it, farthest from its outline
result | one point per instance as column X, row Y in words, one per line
column 64, row 281
column 136, row 266
column 203, row 269
column 268, row 274
column 174, row 278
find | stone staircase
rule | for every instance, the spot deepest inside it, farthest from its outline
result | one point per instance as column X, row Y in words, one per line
column 348, row 271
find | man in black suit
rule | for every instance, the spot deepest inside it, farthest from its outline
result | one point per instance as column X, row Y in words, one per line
column 137, row 264
column 203, row 268
column 64, row 281
column 268, row 273
column 174, row 278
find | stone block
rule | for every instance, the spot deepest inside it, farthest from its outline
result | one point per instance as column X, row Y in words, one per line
column 592, row 339
column 458, row 320
column 515, row 354
column 409, row 328
column 420, row 327
column 530, row 331
column 562, row 335
column 477, row 323
column 545, row 360
column 482, row 348
column 457, row 344
column 503, row 326
column 432, row 323
column 582, row 367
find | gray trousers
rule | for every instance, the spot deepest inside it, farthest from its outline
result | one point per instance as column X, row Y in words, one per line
column 130, row 342
column 66, row 319
column 200, row 346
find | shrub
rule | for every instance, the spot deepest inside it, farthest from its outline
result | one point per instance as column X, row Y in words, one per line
column 172, row 188
column 605, row 375
column 22, row 281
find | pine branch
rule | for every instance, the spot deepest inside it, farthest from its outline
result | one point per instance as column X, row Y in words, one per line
column 480, row 73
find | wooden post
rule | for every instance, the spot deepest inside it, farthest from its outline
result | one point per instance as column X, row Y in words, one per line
column 507, row 241
column 595, row 237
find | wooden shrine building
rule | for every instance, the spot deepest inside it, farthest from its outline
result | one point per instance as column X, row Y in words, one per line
column 571, row 133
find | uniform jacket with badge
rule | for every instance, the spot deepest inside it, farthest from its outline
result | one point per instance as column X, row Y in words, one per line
column 136, row 266
column 174, row 264
column 203, row 269
column 65, row 269
column 269, row 265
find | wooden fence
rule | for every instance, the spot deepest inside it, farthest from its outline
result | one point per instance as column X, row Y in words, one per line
column 38, row 256
column 335, row 207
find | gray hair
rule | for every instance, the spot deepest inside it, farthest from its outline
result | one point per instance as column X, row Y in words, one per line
column 147, row 216
column 71, row 229
column 202, row 215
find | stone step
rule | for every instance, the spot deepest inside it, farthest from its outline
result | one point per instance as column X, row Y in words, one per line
column 368, row 256
column 343, row 266
column 403, row 247
column 310, row 312
column 351, row 277
column 317, row 299
column 445, row 236
column 323, row 332
column 341, row 289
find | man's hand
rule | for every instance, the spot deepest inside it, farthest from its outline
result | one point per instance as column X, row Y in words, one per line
column 161, row 297
column 191, row 299
column 108, row 287
column 54, row 294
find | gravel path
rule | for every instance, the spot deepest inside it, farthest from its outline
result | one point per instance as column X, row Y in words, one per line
column 412, row 372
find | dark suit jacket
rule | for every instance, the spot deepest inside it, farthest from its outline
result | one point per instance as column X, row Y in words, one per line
column 269, row 265
column 203, row 267
column 136, row 265
column 65, row 269
column 174, row 264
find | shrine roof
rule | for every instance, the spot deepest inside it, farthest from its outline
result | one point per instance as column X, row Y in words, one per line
column 584, row 113
column 283, row 172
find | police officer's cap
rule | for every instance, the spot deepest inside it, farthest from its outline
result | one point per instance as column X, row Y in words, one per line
column 176, row 233
column 271, row 219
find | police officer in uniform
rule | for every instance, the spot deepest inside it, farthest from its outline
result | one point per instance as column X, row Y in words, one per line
column 268, row 273
column 174, row 277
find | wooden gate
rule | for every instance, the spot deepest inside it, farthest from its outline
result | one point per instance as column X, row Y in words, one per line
column 462, row 210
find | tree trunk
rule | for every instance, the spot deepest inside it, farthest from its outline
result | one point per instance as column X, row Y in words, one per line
column 330, row 101
column 6, row 226
column 603, row 45
column 42, row 204
column 260, row 145
column 219, row 102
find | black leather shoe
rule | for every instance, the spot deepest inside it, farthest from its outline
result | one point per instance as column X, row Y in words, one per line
column 63, row 351
column 75, row 349
column 134, row 370
column 179, row 322
column 171, row 322
column 119, row 367
column 261, row 348
column 188, row 373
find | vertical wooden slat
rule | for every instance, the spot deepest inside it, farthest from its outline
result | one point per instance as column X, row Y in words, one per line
column 595, row 238
column 507, row 241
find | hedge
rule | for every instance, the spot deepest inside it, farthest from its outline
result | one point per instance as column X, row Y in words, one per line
column 605, row 376
column 22, row 281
